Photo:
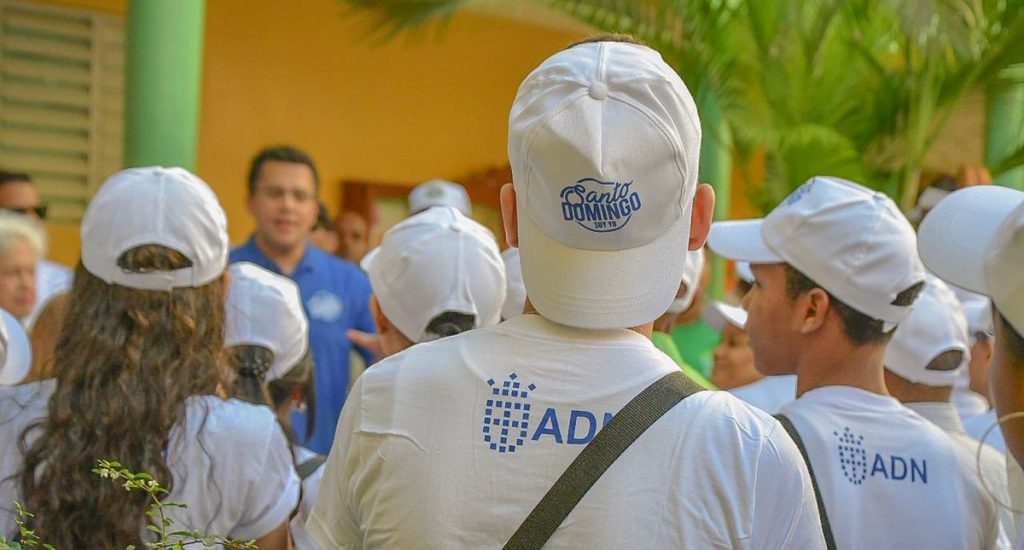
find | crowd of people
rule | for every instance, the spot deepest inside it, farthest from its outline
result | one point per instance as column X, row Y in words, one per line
column 859, row 388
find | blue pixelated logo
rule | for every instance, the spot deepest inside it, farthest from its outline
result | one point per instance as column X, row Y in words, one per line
column 599, row 206
column 799, row 193
column 507, row 414
column 853, row 457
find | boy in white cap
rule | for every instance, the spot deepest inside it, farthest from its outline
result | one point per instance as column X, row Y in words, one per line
column 836, row 270
column 267, row 341
column 922, row 363
column 662, row 335
column 438, row 192
column 975, row 239
column 735, row 368
column 435, row 274
column 452, row 443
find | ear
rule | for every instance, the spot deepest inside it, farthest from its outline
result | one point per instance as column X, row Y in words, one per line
column 812, row 308
column 383, row 325
column 509, row 214
column 703, row 214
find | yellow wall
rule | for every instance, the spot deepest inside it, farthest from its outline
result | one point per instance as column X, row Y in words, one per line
column 402, row 111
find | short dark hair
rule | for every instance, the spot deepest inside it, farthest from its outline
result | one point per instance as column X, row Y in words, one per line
column 607, row 37
column 861, row 329
column 450, row 323
column 10, row 177
column 280, row 153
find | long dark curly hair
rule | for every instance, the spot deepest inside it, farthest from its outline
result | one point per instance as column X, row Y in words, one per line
column 125, row 363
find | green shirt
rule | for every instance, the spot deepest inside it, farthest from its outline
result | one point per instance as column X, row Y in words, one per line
column 667, row 345
column 696, row 342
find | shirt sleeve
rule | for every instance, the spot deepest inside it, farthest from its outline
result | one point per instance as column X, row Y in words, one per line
column 332, row 523
column 272, row 494
column 784, row 486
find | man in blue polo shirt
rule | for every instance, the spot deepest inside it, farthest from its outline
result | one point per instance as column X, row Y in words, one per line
column 283, row 186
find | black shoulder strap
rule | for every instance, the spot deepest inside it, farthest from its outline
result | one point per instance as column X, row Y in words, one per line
column 307, row 467
column 623, row 429
column 826, row 527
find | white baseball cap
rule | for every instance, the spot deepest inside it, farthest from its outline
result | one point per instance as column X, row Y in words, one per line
column 693, row 270
column 974, row 239
column 852, row 241
column 936, row 325
column 265, row 309
column 169, row 207
column 744, row 272
column 604, row 143
column 515, row 292
column 438, row 192
column 436, row 261
column 15, row 350
column 717, row 314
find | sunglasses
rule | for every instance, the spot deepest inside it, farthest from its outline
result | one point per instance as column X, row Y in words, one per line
column 39, row 211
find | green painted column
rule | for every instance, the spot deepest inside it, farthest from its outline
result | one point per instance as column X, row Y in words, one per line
column 1004, row 120
column 716, row 169
column 163, row 66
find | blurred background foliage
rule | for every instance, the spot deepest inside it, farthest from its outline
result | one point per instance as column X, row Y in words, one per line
column 853, row 88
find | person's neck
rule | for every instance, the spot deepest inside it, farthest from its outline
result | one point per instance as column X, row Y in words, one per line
column 842, row 364
column 286, row 259
column 645, row 330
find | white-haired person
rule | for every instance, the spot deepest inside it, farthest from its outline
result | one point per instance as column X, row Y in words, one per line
column 452, row 443
column 22, row 245
column 139, row 377
column 974, row 239
column 836, row 271
column 923, row 362
column 435, row 274
column 267, row 343
column 735, row 368
column 685, row 297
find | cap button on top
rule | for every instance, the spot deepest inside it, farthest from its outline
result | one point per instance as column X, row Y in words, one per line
column 599, row 90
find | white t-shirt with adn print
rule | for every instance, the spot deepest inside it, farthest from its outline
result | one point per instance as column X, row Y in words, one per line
column 769, row 393
column 451, row 443
column 888, row 477
column 230, row 462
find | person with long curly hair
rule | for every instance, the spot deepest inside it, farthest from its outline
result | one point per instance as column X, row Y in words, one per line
column 140, row 373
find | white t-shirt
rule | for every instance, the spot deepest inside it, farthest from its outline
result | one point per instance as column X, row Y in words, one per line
column 976, row 426
column 992, row 465
column 237, row 445
column 769, row 393
column 888, row 477
column 310, row 488
column 51, row 278
column 451, row 443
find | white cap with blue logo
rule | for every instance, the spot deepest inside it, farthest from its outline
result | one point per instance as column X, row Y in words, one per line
column 604, row 143
column 849, row 239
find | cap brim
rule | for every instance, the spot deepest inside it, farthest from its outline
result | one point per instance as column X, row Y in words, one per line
column 718, row 314
column 954, row 236
column 18, row 362
column 741, row 240
column 368, row 259
column 602, row 289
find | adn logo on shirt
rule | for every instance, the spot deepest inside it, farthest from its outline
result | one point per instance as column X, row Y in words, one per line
column 857, row 467
column 507, row 419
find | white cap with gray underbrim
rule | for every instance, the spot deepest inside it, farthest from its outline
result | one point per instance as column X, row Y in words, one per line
column 974, row 239
column 852, row 241
column 719, row 314
column 438, row 192
column 936, row 325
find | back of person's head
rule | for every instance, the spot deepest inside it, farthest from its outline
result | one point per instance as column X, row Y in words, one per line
column 15, row 352
column 436, row 274
column 44, row 334
column 280, row 153
column 144, row 331
column 22, row 245
column 844, row 238
column 267, row 331
column 438, row 192
column 604, row 142
column 930, row 346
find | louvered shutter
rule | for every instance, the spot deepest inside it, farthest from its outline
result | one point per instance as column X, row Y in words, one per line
column 61, row 100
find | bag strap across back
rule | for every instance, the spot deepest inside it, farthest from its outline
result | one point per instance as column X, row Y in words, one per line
column 826, row 527
column 624, row 428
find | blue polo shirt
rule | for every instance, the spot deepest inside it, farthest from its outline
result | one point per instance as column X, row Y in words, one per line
column 336, row 296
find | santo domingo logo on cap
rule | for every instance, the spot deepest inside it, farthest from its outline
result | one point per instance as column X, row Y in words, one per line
column 599, row 206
